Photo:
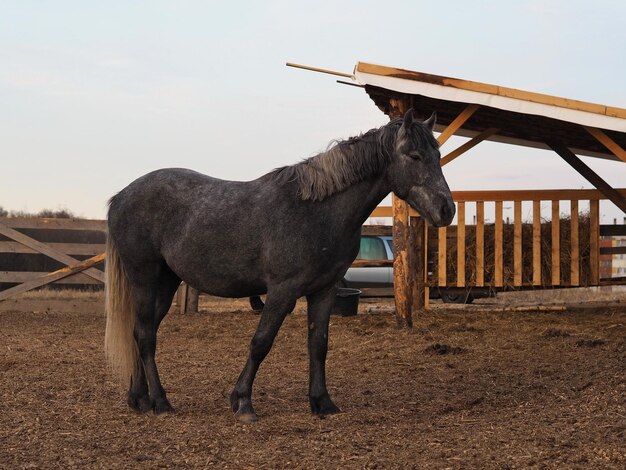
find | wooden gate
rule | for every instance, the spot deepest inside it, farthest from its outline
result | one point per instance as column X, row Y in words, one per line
column 75, row 270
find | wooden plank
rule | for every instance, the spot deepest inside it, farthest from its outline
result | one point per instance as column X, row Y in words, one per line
column 53, row 276
column 574, row 245
column 613, row 250
column 66, row 248
column 536, row 243
column 474, row 141
column 43, row 223
column 46, row 250
column 613, row 230
column 517, row 243
column 460, row 245
column 556, row 245
column 442, row 257
column 512, row 195
column 52, row 305
column 480, row 244
column 372, row 263
column 609, row 143
column 532, row 194
column 385, row 211
column 594, row 242
column 456, row 124
column 23, row 276
column 377, row 230
column 566, row 154
column 401, row 262
column 498, row 259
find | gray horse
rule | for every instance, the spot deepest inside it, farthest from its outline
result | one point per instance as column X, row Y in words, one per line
column 290, row 233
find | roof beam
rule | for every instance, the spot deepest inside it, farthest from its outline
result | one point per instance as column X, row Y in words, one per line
column 609, row 143
column 590, row 175
column 468, row 145
column 457, row 123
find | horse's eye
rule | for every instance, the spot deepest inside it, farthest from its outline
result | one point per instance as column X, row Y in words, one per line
column 415, row 155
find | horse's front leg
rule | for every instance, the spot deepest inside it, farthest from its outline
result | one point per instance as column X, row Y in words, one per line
column 319, row 306
column 277, row 306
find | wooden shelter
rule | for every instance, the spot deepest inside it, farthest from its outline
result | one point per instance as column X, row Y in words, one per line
column 481, row 112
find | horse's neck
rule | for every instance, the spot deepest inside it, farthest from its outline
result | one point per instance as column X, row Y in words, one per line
column 357, row 202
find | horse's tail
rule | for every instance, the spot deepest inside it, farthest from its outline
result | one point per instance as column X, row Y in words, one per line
column 119, row 342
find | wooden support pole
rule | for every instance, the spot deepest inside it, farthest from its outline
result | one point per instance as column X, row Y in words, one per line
column 401, row 282
column 591, row 176
column 609, row 143
column 402, row 292
column 473, row 142
column 417, row 263
column 457, row 123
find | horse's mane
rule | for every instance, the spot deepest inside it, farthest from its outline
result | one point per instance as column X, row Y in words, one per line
column 346, row 163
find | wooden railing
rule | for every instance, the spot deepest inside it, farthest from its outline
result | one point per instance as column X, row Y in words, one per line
column 516, row 253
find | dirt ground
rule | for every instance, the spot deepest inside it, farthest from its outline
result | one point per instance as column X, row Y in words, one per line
column 471, row 387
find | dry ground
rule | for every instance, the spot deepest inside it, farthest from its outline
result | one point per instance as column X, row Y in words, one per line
column 466, row 388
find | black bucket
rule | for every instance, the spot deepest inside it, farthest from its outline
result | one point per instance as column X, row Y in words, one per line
column 346, row 302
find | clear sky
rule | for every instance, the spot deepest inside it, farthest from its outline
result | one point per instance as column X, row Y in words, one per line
column 95, row 94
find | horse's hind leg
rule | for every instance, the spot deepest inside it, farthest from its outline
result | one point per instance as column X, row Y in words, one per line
column 152, row 301
column 277, row 306
column 319, row 306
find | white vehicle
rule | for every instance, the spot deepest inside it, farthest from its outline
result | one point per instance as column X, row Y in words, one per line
column 381, row 247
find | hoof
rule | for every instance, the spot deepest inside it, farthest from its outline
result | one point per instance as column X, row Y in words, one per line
column 141, row 404
column 323, row 406
column 242, row 407
column 246, row 417
column 163, row 406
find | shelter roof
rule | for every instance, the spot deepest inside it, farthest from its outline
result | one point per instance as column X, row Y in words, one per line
column 520, row 117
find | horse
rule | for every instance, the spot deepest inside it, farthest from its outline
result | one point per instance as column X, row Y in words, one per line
column 289, row 234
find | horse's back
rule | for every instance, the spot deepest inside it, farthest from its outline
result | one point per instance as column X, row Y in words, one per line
column 194, row 222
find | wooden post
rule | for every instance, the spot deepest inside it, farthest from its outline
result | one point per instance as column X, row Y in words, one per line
column 480, row 243
column 498, row 259
column 517, row 244
column 594, row 242
column 460, row 245
column 417, row 263
column 556, row 244
column 401, row 271
column 536, row 243
column 194, row 298
column 400, row 263
column 183, row 297
column 574, row 245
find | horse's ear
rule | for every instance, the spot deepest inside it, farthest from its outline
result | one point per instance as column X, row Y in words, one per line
column 431, row 121
column 408, row 118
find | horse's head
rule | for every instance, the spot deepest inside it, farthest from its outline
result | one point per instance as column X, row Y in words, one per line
column 415, row 172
